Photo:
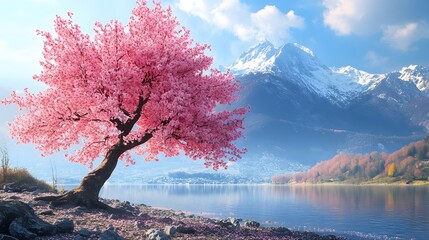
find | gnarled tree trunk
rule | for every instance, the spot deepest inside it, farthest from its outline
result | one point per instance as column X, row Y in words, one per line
column 86, row 194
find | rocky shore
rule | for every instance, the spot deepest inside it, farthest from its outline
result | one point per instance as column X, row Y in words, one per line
column 136, row 221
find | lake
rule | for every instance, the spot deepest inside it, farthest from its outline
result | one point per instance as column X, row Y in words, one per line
column 356, row 212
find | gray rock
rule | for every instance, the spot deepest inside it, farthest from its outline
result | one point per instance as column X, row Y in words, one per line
column 16, row 216
column 110, row 235
column 64, row 225
column 96, row 231
column 230, row 223
column 7, row 237
column 19, row 220
column 252, row 224
column 79, row 237
column 18, row 231
column 170, row 230
column 38, row 203
column 143, row 215
column 139, row 224
column 84, row 232
column 47, row 213
column 19, row 187
column 14, row 198
column 166, row 220
column 12, row 187
column 281, row 231
column 186, row 230
column 155, row 234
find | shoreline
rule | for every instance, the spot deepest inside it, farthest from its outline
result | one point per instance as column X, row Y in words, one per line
column 397, row 183
column 364, row 184
column 141, row 219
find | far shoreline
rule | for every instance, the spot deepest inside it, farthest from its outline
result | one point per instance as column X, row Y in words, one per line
column 396, row 183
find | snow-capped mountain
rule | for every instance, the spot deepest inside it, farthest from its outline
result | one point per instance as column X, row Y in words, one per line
column 297, row 63
column 305, row 111
column 419, row 75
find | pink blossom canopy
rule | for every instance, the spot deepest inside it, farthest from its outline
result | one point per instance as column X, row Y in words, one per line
column 146, row 84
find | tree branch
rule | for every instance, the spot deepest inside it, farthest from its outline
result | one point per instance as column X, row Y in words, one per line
column 126, row 127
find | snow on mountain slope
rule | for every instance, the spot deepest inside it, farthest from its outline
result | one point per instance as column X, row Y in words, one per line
column 299, row 64
column 419, row 75
column 258, row 59
column 295, row 63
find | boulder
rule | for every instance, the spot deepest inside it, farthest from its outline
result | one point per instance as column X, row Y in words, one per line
column 47, row 213
column 230, row 223
column 282, row 231
column 186, row 230
column 155, row 234
column 110, row 234
column 19, row 220
column 84, row 232
column 166, row 220
column 12, row 187
column 170, row 230
column 64, row 225
column 19, row 187
column 7, row 237
column 18, row 231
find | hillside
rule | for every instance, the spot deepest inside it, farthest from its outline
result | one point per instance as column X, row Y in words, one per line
column 408, row 164
column 303, row 111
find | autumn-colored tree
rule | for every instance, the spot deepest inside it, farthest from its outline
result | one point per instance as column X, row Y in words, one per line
column 391, row 170
column 145, row 86
column 417, row 173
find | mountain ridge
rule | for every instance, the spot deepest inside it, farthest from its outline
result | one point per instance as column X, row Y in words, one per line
column 298, row 63
column 303, row 111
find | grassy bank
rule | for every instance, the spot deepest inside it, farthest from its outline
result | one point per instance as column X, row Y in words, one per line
column 21, row 177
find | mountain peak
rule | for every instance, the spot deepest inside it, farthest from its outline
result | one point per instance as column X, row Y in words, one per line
column 417, row 74
column 258, row 59
column 302, row 48
column 266, row 58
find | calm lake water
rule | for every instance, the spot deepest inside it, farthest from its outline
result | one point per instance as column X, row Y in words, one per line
column 357, row 212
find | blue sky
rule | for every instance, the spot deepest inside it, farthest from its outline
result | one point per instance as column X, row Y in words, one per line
column 372, row 35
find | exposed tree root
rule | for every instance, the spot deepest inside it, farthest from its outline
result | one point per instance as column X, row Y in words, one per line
column 76, row 198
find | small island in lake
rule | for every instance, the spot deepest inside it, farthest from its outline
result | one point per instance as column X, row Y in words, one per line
column 408, row 165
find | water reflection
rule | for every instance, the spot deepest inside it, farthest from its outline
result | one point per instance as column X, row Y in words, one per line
column 366, row 212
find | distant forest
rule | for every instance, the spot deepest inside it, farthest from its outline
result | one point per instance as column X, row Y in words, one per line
column 408, row 164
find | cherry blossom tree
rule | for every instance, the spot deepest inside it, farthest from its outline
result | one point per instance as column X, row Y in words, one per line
column 144, row 88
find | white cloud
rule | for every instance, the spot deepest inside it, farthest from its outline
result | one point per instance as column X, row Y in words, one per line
column 270, row 21
column 402, row 36
column 267, row 23
column 342, row 15
column 197, row 8
column 400, row 21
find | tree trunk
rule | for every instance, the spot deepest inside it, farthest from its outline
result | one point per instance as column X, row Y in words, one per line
column 86, row 194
